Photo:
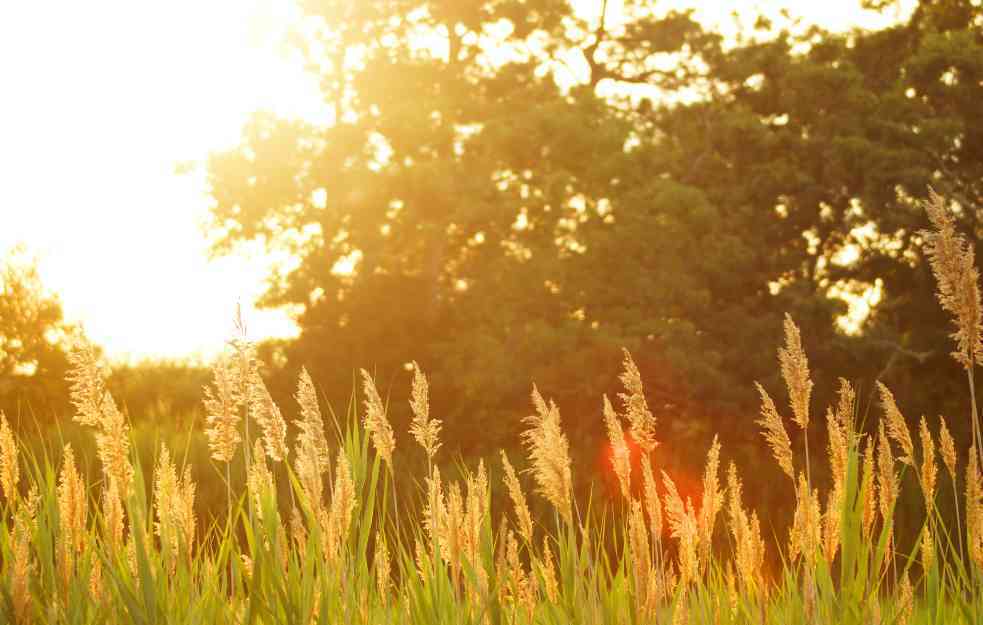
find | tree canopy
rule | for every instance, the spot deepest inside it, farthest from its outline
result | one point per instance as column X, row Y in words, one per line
column 32, row 341
column 510, row 191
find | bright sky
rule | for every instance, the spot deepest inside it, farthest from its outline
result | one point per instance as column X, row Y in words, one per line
column 102, row 99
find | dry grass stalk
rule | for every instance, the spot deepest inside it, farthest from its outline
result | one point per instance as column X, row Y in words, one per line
column 550, row 584
column 259, row 480
column 868, row 490
column 113, row 444
column 641, row 557
column 713, row 501
column 9, row 463
column 87, row 381
column 475, row 510
column 927, row 548
column 270, row 419
column 435, row 512
column 522, row 515
column 974, row 509
column 521, row 586
column 952, row 261
column 549, row 453
column 425, row 431
column 653, row 507
column 795, row 372
column 748, row 546
column 375, row 422
column 906, row 600
column 222, row 402
column 73, row 508
column 929, row 473
column 620, row 454
column 636, row 408
column 113, row 515
column 343, row 504
column 95, row 581
column 96, row 408
column 450, row 534
column 774, row 433
column 887, row 480
column 847, row 400
column 806, row 534
column 948, row 448
column 897, row 428
column 382, row 565
column 311, row 455
column 683, row 527
column 23, row 568
column 831, row 525
column 174, row 501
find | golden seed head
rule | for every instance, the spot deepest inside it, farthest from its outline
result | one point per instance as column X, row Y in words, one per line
column 869, row 490
column 887, row 479
column 9, row 464
column 165, row 497
column 550, row 583
column 974, row 509
column 475, row 506
column 268, row 415
column 906, row 600
column 636, row 408
column 929, row 470
column 114, row 515
column 838, row 450
column 952, row 261
column 376, row 423
column 72, row 513
column 382, row 567
column 87, row 379
column 641, row 554
column 343, row 504
column 435, row 511
column 806, row 533
column 846, row 404
column 897, row 428
column 222, row 401
column 311, row 424
column 684, row 528
column 21, row 595
column 259, row 479
column 425, row 431
column 113, row 444
column 653, row 507
column 795, row 372
column 774, row 432
column 928, row 548
column 549, row 453
column 831, row 525
column 522, row 515
column 713, row 501
column 748, row 545
column 948, row 448
column 620, row 454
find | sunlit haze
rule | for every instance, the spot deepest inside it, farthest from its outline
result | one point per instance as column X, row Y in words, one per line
column 102, row 99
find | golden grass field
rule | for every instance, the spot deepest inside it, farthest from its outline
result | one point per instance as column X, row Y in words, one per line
column 318, row 533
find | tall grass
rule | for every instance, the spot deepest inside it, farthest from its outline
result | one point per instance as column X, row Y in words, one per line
column 315, row 532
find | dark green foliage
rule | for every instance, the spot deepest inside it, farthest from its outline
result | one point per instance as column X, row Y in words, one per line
column 513, row 216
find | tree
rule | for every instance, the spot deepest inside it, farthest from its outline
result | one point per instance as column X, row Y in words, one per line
column 439, row 216
column 33, row 333
column 827, row 151
column 520, row 215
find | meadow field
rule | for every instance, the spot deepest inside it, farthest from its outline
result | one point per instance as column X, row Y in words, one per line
column 315, row 532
